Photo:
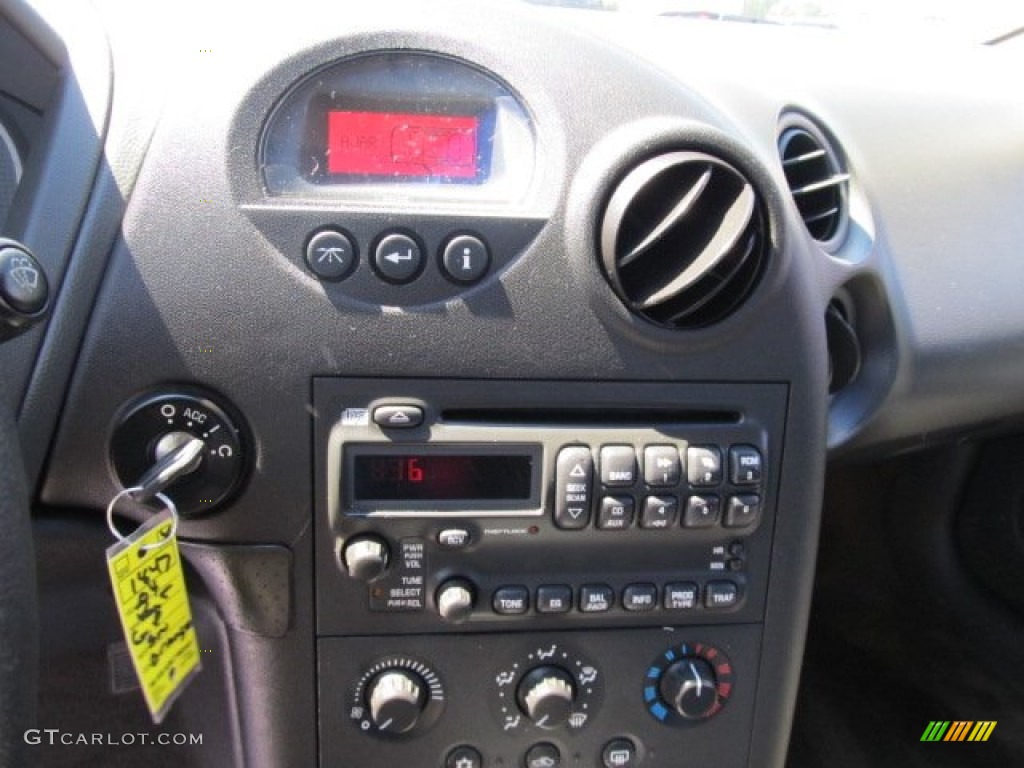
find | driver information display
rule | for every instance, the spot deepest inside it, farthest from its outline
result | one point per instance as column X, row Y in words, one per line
column 403, row 145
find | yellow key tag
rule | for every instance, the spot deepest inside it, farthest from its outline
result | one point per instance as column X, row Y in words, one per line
column 149, row 589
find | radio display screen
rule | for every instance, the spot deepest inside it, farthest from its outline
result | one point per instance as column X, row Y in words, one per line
column 442, row 477
column 400, row 145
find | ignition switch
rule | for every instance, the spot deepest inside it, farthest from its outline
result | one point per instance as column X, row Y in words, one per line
column 158, row 424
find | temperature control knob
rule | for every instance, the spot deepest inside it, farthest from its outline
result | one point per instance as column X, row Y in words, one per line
column 455, row 599
column 397, row 699
column 688, row 683
column 365, row 557
column 690, row 688
column 546, row 695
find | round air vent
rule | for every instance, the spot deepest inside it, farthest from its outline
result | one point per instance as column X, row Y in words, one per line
column 684, row 240
column 816, row 180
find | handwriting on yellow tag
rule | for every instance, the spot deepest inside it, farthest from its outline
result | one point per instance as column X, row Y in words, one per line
column 149, row 589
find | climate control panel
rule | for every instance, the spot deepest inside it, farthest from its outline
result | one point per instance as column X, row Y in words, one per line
column 504, row 699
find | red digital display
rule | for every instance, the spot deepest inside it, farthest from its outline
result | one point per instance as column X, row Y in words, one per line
column 442, row 477
column 400, row 144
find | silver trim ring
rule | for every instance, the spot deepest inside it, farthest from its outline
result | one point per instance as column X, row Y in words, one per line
column 166, row 502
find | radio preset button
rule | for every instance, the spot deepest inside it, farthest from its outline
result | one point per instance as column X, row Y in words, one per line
column 662, row 467
column 596, row 598
column 703, row 465
column 659, row 512
column 702, row 512
column 616, row 513
column 554, row 598
column 511, row 601
column 574, row 476
column 742, row 511
column 618, row 465
column 745, row 465
column 398, row 416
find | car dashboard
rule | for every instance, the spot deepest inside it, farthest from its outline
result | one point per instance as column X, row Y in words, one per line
column 517, row 340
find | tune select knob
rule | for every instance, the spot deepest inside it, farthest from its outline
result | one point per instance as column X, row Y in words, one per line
column 365, row 557
column 397, row 699
column 546, row 695
column 455, row 600
column 690, row 688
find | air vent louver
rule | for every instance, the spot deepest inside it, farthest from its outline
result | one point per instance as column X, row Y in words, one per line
column 683, row 239
column 816, row 181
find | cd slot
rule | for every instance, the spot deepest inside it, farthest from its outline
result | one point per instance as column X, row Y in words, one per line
column 591, row 417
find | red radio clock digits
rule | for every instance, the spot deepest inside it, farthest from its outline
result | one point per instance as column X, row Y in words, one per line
column 403, row 144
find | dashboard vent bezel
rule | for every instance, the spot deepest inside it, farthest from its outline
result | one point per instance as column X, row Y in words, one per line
column 818, row 179
column 684, row 239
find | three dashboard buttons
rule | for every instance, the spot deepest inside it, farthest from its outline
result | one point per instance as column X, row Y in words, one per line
column 397, row 257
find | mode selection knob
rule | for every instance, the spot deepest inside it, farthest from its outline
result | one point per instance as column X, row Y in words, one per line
column 455, row 600
column 546, row 695
column 690, row 688
column 365, row 557
column 397, row 698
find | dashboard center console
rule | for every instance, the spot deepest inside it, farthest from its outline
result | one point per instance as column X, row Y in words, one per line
column 468, row 530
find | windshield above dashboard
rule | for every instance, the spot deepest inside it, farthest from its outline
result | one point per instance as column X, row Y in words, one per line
column 977, row 21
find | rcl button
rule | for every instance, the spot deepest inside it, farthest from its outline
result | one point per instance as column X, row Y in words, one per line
column 453, row 538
